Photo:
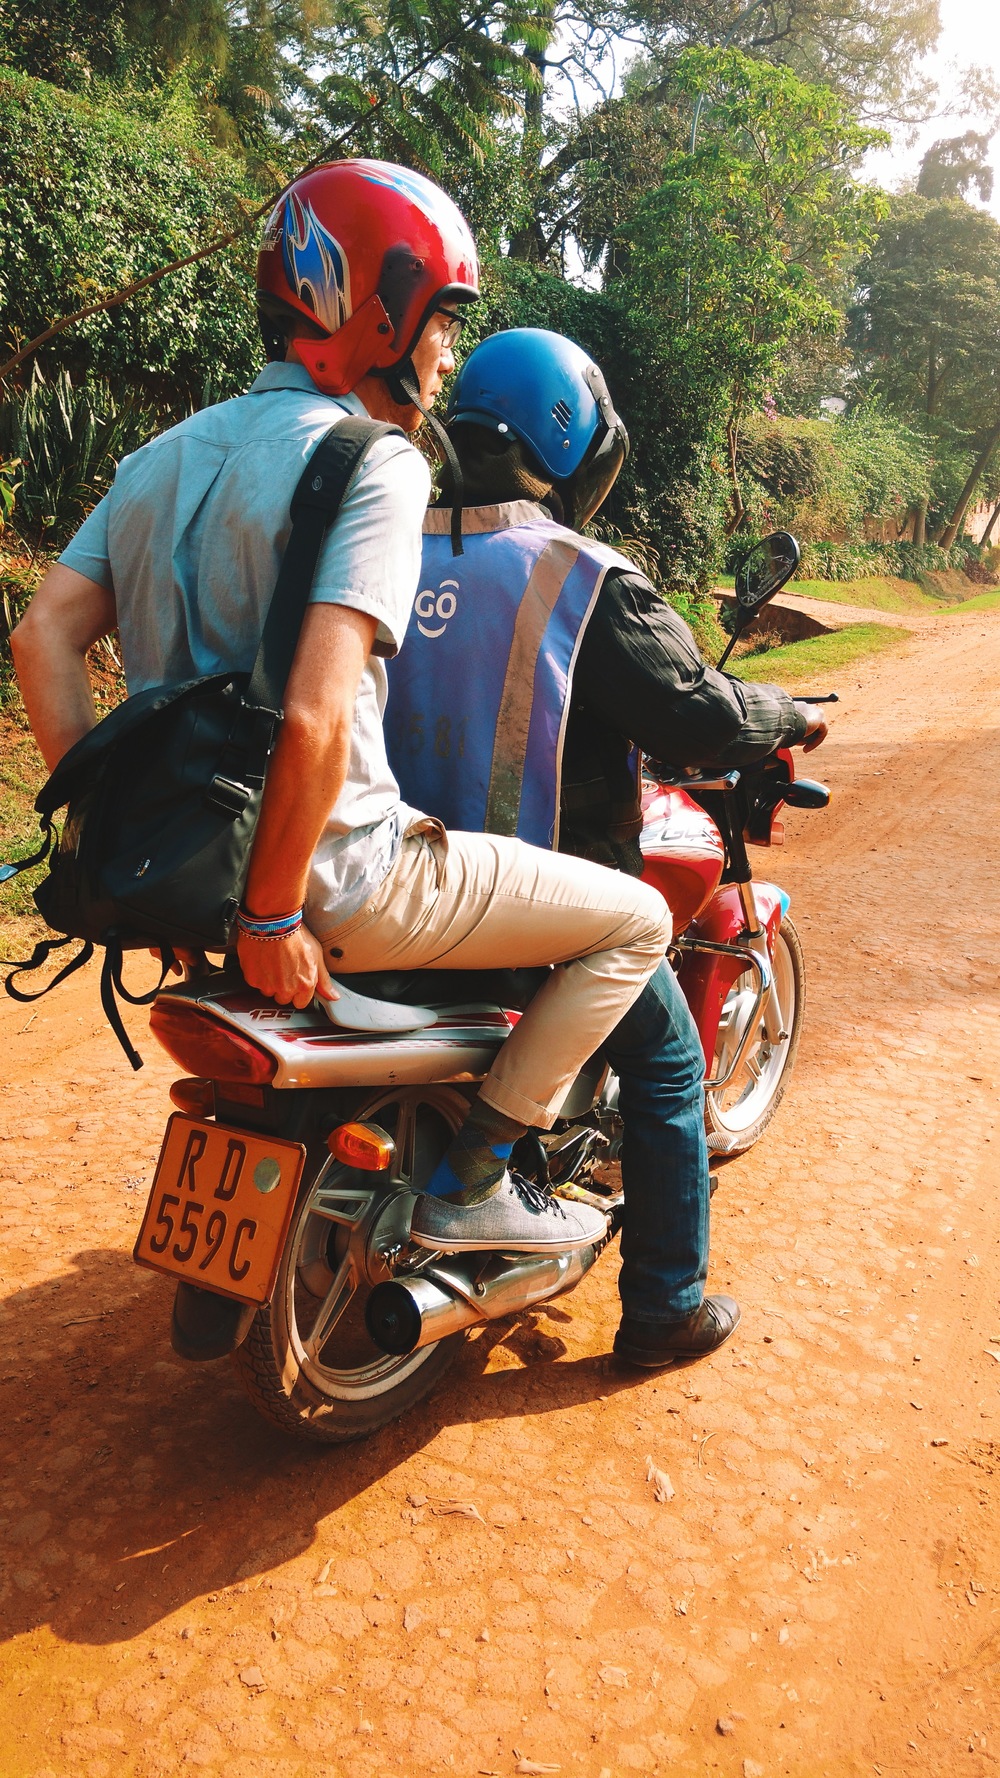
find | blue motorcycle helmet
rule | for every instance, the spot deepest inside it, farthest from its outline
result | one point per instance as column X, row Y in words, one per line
column 546, row 391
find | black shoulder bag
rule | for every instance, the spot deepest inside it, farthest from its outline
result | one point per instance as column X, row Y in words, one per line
column 163, row 796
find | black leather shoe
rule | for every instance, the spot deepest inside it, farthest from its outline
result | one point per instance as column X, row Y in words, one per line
column 654, row 1343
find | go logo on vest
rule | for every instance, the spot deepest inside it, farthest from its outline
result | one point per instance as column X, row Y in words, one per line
column 443, row 604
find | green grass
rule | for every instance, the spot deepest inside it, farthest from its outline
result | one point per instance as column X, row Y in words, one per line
column 987, row 601
column 818, row 655
column 878, row 592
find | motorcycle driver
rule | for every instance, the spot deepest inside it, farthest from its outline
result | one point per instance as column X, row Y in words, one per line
column 362, row 276
column 533, row 666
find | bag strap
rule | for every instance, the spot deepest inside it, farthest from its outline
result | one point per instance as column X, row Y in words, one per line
column 40, row 955
column 112, row 985
column 111, row 981
column 7, row 871
column 322, row 489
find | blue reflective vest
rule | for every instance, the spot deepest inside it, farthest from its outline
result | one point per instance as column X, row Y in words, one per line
column 479, row 693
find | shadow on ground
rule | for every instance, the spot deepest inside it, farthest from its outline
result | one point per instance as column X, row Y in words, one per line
column 135, row 1483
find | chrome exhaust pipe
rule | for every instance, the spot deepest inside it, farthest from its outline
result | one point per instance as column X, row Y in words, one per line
column 453, row 1293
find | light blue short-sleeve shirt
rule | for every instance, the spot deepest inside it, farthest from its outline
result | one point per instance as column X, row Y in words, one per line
column 190, row 539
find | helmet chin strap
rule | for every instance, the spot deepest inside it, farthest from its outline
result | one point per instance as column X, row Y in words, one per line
column 404, row 388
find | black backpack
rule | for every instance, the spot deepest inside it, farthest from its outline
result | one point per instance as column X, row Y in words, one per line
column 162, row 797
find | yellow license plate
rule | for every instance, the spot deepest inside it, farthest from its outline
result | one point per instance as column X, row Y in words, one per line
column 220, row 1207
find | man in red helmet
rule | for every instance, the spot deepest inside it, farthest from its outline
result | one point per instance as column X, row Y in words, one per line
column 361, row 277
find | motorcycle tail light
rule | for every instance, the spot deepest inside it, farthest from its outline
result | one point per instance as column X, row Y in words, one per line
column 205, row 1046
column 195, row 1095
column 361, row 1145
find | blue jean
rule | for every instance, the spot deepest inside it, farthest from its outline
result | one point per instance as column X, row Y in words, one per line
column 656, row 1053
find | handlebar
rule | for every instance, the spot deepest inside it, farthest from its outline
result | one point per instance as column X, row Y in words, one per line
column 695, row 780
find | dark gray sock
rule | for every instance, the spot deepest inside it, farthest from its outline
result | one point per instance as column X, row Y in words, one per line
column 475, row 1164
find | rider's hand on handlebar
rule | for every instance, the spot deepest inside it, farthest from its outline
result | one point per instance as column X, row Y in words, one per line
column 290, row 970
column 817, row 727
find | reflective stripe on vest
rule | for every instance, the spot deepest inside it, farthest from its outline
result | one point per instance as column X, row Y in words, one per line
column 479, row 693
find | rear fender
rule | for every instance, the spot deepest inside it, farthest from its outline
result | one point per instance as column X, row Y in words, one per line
column 705, row 977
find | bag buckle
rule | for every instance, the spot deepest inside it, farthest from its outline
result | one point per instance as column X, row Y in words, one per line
column 227, row 795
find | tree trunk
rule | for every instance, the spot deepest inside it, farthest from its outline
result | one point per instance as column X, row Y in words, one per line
column 948, row 532
column 988, row 533
column 528, row 242
column 732, row 441
column 920, row 522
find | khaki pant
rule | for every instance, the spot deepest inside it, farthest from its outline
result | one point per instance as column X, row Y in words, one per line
column 481, row 901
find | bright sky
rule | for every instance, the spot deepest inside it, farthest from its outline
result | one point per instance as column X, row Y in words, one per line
column 970, row 37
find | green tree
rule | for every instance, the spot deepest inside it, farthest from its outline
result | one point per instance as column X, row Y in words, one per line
column 238, row 62
column 580, row 158
column 926, row 334
column 733, row 251
column 866, row 51
column 954, row 164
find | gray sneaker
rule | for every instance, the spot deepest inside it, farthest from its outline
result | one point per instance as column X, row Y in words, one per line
column 518, row 1218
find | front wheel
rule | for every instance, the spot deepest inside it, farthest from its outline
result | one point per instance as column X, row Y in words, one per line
column 308, row 1362
column 737, row 1115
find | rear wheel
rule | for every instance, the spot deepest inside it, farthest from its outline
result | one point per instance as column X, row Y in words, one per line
column 737, row 1115
column 309, row 1363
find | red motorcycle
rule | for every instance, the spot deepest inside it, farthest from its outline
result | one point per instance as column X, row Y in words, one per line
column 286, row 1181
column 738, row 956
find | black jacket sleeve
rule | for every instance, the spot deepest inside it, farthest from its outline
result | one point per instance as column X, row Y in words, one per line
column 640, row 672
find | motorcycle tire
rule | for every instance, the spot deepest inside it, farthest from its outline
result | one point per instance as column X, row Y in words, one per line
column 737, row 1117
column 330, row 1384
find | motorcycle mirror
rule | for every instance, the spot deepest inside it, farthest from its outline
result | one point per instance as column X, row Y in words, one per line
column 765, row 569
column 762, row 573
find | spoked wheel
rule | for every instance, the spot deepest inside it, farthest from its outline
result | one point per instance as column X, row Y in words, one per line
column 736, row 1115
column 308, row 1362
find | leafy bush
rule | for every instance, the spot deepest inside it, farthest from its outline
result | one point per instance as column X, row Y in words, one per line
column 889, row 463
column 93, row 197
column 799, row 480
column 9, row 484
column 820, row 477
column 69, row 438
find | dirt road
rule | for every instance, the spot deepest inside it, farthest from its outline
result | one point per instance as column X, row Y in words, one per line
column 183, row 1588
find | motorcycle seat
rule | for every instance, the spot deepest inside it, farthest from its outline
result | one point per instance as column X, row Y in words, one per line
column 449, row 987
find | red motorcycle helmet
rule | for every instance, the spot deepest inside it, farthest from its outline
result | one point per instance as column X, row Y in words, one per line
column 368, row 251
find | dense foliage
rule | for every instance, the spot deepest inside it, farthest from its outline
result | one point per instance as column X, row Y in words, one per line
column 673, row 184
column 93, row 196
column 833, row 478
column 67, row 438
column 926, row 334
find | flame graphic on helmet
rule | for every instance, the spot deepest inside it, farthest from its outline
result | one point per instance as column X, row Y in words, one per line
column 315, row 264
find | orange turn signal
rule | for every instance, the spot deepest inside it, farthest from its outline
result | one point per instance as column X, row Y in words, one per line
column 195, row 1096
column 361, row 1145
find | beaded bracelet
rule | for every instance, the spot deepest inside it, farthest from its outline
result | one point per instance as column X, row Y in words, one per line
column 276, row 927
